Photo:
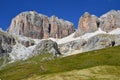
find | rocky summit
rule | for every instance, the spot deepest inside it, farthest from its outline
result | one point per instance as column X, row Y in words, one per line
column 90, row 23
column 34, row 25
column 87, row 24
column 110, row 21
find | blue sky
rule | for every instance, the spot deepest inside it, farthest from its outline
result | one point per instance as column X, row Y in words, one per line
column 67, row 9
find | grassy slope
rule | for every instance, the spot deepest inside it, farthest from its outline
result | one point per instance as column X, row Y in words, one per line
column 34, row 66
column 1, row 61
column 94, row 73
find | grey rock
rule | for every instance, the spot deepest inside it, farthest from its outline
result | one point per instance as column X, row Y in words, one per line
column 94, row 43
column 110, row 21
column 101, row 41
column 47, row 46
column 6, row 43
column 73, row 45
column 26, row 42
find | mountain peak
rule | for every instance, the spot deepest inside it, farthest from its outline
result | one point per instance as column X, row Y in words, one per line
column 35, row 25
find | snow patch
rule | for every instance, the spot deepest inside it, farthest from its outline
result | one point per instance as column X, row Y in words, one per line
column 71, row 37
column 89, row 35
column 115, row 32
column 66, row 39
column 23, row 38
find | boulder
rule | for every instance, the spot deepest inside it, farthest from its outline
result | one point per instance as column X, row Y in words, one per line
column 46, row 46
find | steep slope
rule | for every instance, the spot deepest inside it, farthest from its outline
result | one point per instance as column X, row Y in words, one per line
column 34, row 25
column 37, row 67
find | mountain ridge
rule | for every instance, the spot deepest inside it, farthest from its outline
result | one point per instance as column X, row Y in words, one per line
column 35, row 25
column 91, row 34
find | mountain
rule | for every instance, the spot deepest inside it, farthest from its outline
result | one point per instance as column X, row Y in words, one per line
column 90, row 23
column 34, row 25
column 31, row 34
column 87, row 23
column 35, row 33
column 110, row 21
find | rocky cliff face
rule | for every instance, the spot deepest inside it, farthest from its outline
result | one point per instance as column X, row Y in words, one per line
column 6, row 43
column 90, row 23
column 87, row 23
column 110, row 21
column 34, row 25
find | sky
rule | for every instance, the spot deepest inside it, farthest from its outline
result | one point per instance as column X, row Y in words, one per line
column 70, row 10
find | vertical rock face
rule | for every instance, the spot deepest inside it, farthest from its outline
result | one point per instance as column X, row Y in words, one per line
column 34, row 25
column 6, row 42
column 88, row 23
column 110, row 21
column 60, row 28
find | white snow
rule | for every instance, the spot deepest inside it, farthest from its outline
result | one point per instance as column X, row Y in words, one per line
column 23, row 38
column 115, row 32
column 89, row 35
column 71, row 37
column 21, row 52
column 66, row 39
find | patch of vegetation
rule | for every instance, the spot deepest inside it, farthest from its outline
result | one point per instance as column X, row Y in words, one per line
column 1, row 61
column 37, row 66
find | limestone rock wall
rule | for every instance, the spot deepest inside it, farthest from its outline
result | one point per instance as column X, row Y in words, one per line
column 34, row 25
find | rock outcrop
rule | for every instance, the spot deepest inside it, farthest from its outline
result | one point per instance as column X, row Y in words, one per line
column 87, row 24
column 34, row 25
column 47, row 46
column 90, row 23
column 25, row 41
column 110, row 21
column 70, row 47
column 96, row 42
column 6, row 43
